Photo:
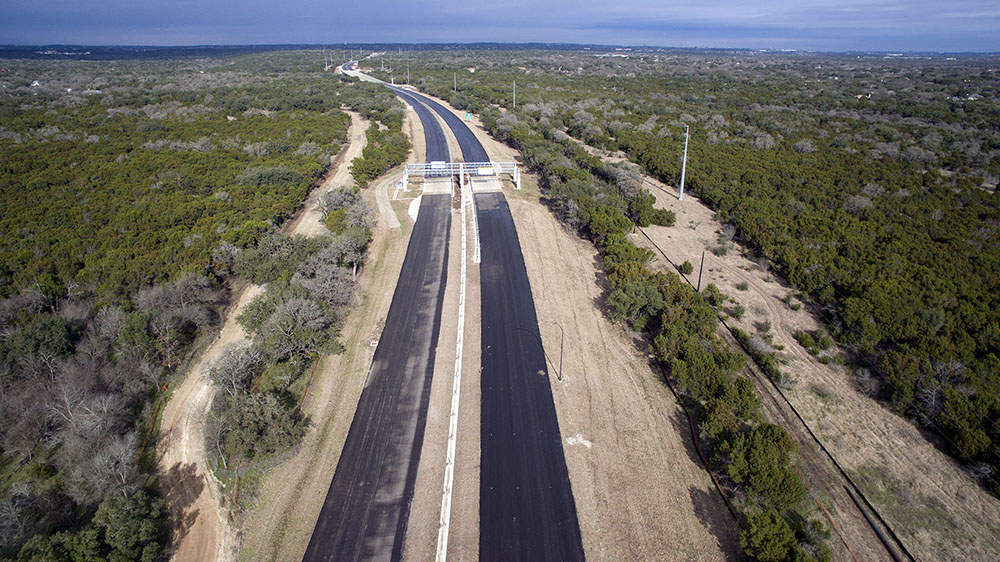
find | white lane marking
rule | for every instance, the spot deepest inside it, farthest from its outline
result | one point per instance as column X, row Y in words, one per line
column 579, row 440
column 449, row 461
column 476, row 258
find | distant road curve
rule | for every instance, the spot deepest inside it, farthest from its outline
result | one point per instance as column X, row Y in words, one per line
column 367, row 507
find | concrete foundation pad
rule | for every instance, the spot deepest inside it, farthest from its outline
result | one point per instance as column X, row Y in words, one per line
column 486, row 184
column 439, row 185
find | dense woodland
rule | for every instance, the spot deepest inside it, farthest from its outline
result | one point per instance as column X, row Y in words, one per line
column 135, row 195
column 868, row 182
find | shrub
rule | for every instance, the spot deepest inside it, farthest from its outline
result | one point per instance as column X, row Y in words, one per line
column 336, row 221
column 737, row 311
column 743, row 285
column 258, row 176
column 805, row 339
column 687, row 268
column 824, row 342
column 663, row 217
column 720, row 250
column 714, row 296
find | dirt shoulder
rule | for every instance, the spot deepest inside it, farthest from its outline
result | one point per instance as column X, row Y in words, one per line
column 640, row 490
column 937, row 509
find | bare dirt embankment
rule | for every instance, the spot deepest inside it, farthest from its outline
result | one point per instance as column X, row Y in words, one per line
column 201, row 525
column 201, row 529
column 939, row 512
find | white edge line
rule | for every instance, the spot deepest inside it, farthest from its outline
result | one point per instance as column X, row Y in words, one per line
column 449, row 466
column 476, row 258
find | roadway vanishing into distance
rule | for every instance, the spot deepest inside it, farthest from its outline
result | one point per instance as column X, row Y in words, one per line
column 367, row 507
column 472, row 149
column 526, row 507
column 434, row 139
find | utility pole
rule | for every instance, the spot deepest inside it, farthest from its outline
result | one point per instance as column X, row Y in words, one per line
column 515, row 94
column 680, row 197
column 456, row 81
column 701, row 269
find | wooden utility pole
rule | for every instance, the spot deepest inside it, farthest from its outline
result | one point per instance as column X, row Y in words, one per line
column 701, row 269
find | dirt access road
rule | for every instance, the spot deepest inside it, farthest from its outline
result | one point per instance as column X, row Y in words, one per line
column 938, row 511
column 200, row 523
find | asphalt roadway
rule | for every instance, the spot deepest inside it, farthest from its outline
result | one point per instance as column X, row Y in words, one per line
column 437, row 145
column 367, row 507
column 526, row 507
column 472, row 149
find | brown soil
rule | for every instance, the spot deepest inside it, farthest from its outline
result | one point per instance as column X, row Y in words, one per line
column 201, row 529
column 939, row 512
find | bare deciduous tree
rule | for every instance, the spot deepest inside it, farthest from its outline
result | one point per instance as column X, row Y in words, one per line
column 236, row 368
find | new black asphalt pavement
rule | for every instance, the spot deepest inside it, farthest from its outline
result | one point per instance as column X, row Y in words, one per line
column 366, row 509
column 437, row 145
column 472, row 149
column 526, row 508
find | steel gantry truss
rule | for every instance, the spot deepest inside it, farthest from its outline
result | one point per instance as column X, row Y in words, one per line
column 462, row 169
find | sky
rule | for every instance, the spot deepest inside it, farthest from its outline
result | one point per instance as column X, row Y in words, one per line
column 821, row 25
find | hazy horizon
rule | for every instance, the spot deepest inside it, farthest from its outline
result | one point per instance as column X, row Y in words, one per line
column 806, row 25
